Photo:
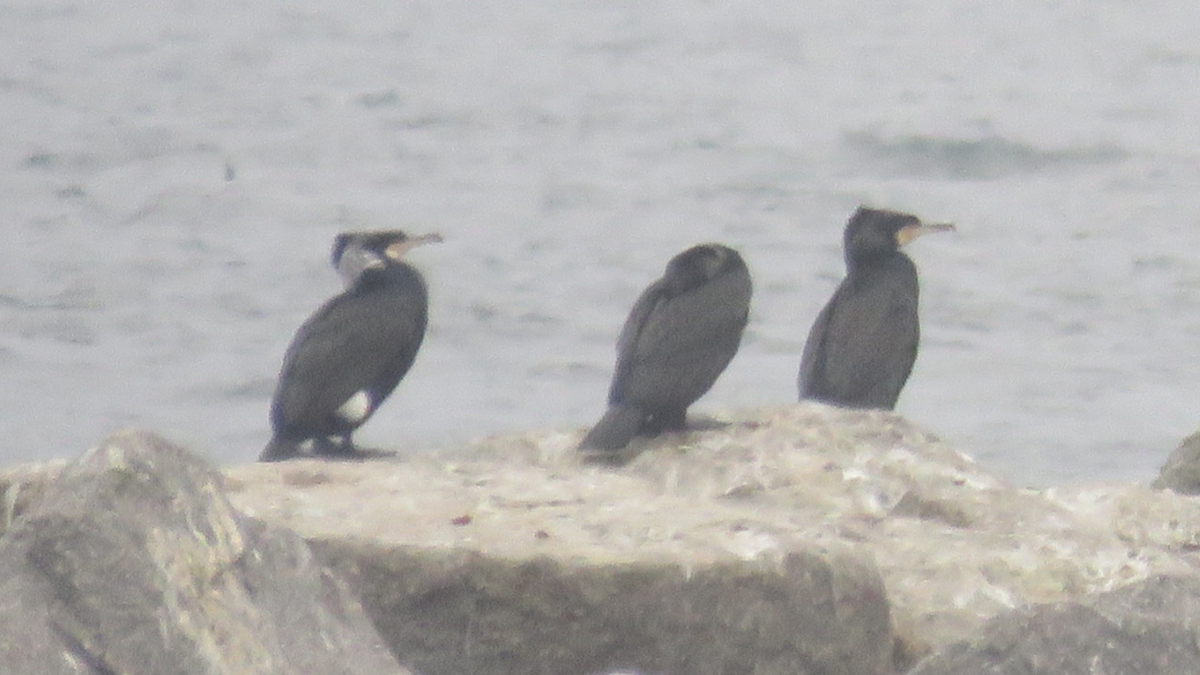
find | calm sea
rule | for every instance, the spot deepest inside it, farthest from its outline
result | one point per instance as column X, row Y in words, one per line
column 173, row 173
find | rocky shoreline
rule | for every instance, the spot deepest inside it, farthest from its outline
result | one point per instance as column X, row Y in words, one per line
column 798, row 539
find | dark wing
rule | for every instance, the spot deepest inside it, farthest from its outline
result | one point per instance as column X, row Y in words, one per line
column 351, row 343
column 813, row 358
column 861, row 349
column 675, row 345
column 627, row 342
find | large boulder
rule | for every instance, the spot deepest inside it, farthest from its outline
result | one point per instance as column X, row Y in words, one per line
column 799, row 539
column 756, row 547
column 1145, row 628
column 131, row 560
column 506, row 563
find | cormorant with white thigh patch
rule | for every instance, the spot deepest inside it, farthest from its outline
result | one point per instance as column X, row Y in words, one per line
column 351, row 353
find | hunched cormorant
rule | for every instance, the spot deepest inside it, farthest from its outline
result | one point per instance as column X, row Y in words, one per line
column 862, row 346
column 681, row 333
column 351, row 353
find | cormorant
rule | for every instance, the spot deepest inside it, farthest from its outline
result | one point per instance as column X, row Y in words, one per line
column 351, row 353
column 862, row 346
column 681, row 333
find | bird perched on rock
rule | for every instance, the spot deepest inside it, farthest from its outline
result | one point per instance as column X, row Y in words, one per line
column 351, row 353
column 862, row 346
column 681, row 333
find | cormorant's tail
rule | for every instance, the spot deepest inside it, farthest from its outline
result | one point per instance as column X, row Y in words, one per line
column 614, row 431
column 279, row 449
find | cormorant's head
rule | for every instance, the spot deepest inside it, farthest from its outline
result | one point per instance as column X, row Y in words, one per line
column 873, row 233
column 700, row 263
column 355, row 252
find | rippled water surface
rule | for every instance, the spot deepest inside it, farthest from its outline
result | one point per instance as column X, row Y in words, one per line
column 172, row 175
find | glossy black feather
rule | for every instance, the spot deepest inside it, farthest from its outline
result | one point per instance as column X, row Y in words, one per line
column 861, row 349
column 680, row 335
column 364, row 339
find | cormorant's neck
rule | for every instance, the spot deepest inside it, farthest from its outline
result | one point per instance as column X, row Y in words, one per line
column 384, row 274
column 864, row 260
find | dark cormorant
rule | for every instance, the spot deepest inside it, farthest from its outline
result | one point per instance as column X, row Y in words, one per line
column 352, row 352
column 680, row 335
column 862, row 346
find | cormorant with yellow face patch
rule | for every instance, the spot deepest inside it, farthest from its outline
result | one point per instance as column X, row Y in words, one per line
column 863, row 344
column 351, row 353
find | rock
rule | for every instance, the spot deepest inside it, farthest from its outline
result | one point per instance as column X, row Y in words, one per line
column 799, row 539
column 502, row 563
column 511, row 556
column 1145, row 628
column 132, row 561
column 1181, row 473
column 805, row 613
column 23, row 486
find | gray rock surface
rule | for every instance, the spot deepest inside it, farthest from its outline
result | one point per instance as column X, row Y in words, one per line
column 799, row 539
column 1151, row 627
column 131, row 561
column 1181, row 472
column 502, row 561
column 452, row 551
column 809, row 612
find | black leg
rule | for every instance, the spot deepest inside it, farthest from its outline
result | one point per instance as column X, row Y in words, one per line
column 665, row 420
column 343, row 448
column 333, row 446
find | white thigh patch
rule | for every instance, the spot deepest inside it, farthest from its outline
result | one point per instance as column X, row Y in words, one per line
column 355, row 408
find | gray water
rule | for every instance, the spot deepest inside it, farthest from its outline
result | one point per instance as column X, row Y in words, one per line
column 173, row 174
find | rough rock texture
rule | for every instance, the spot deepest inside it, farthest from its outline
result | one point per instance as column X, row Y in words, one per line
column 475, row 532
column 1181, row 472
column 503, row 564
column 23, row 486
column 754, row 548
column 1147, row 628
column 132, row 561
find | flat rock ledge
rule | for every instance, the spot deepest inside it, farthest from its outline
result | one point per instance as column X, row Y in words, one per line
column 803, row 539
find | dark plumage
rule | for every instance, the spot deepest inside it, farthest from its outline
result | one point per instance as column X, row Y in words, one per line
column 862, row 346
column 352, row 352
column 680, row 335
